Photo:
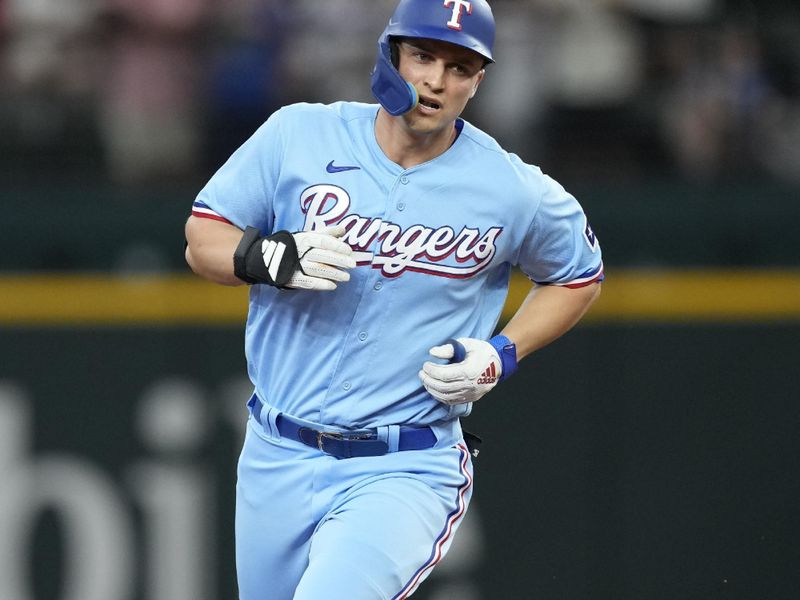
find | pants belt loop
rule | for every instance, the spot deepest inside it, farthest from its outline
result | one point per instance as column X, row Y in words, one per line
column 254, row 406
column 265, row 416
column 391, row 435
column 269, row 417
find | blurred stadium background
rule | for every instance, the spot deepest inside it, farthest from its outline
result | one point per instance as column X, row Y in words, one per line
column 650, row 454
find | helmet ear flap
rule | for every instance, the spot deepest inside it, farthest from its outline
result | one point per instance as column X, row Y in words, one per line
column 394, row 93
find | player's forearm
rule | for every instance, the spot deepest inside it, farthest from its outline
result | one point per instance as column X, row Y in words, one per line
column 547, row 313
column 210, row 248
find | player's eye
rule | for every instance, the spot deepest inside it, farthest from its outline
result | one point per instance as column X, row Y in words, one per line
column 462, row 70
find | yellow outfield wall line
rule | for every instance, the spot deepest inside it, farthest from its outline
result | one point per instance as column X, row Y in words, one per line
column 700, row 295
column 86, row 299
column 690, row 295
column 183, row 299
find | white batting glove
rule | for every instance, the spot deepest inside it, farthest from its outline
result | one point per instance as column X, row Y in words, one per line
column 311, row 260
column 323, row 258
column 468, row 380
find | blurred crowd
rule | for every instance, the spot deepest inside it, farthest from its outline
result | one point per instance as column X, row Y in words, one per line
column 144, row 91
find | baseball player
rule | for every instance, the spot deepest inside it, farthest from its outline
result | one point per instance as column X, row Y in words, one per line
column 371, row 234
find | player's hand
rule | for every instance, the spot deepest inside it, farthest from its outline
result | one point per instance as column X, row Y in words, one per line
column 323, row 259
column 311, row 260
column 464, row 381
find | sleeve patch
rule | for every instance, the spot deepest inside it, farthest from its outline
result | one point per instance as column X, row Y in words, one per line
column 590, row 237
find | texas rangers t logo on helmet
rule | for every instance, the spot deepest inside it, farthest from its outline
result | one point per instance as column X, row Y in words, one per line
column 458, row 9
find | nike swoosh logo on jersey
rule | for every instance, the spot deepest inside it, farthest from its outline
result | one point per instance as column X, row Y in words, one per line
column 334, row 169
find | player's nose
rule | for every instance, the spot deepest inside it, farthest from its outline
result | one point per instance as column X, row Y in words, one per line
column 435, row 77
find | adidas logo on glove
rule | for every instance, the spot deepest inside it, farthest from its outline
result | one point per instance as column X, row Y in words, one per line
column 489, row 375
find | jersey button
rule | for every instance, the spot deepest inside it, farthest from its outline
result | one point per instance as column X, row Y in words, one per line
column 404, row 180
column 401, row 206
column 378, row 285
column 346, row 385
column 362, row 336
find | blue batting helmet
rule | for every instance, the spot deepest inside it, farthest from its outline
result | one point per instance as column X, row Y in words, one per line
column 465, row 23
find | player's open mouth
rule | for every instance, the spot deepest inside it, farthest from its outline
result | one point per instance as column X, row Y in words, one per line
column 430, row 104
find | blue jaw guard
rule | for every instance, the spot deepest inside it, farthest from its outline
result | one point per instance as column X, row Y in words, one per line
column 394, row 93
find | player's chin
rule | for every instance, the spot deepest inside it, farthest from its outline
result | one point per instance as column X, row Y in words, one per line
column 426, row 123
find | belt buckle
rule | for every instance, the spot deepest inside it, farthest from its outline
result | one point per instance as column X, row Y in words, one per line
column 322, row 435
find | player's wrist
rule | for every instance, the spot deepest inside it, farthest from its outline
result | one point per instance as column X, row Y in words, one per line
column 507, row 351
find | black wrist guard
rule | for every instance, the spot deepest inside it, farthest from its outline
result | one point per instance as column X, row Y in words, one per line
column 271, row 260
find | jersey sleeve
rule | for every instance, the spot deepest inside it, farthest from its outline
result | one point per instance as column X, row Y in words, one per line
column 561, row 248
column 241, row 191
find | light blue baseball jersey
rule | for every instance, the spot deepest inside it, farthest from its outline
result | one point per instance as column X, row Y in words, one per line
column 435, row 245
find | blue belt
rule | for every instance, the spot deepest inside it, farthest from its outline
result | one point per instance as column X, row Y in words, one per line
column 351, row 444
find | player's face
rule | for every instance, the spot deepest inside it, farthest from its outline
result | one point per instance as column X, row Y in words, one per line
column 445, row 75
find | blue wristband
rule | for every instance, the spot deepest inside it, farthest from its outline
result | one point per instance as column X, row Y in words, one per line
column 508, row 354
